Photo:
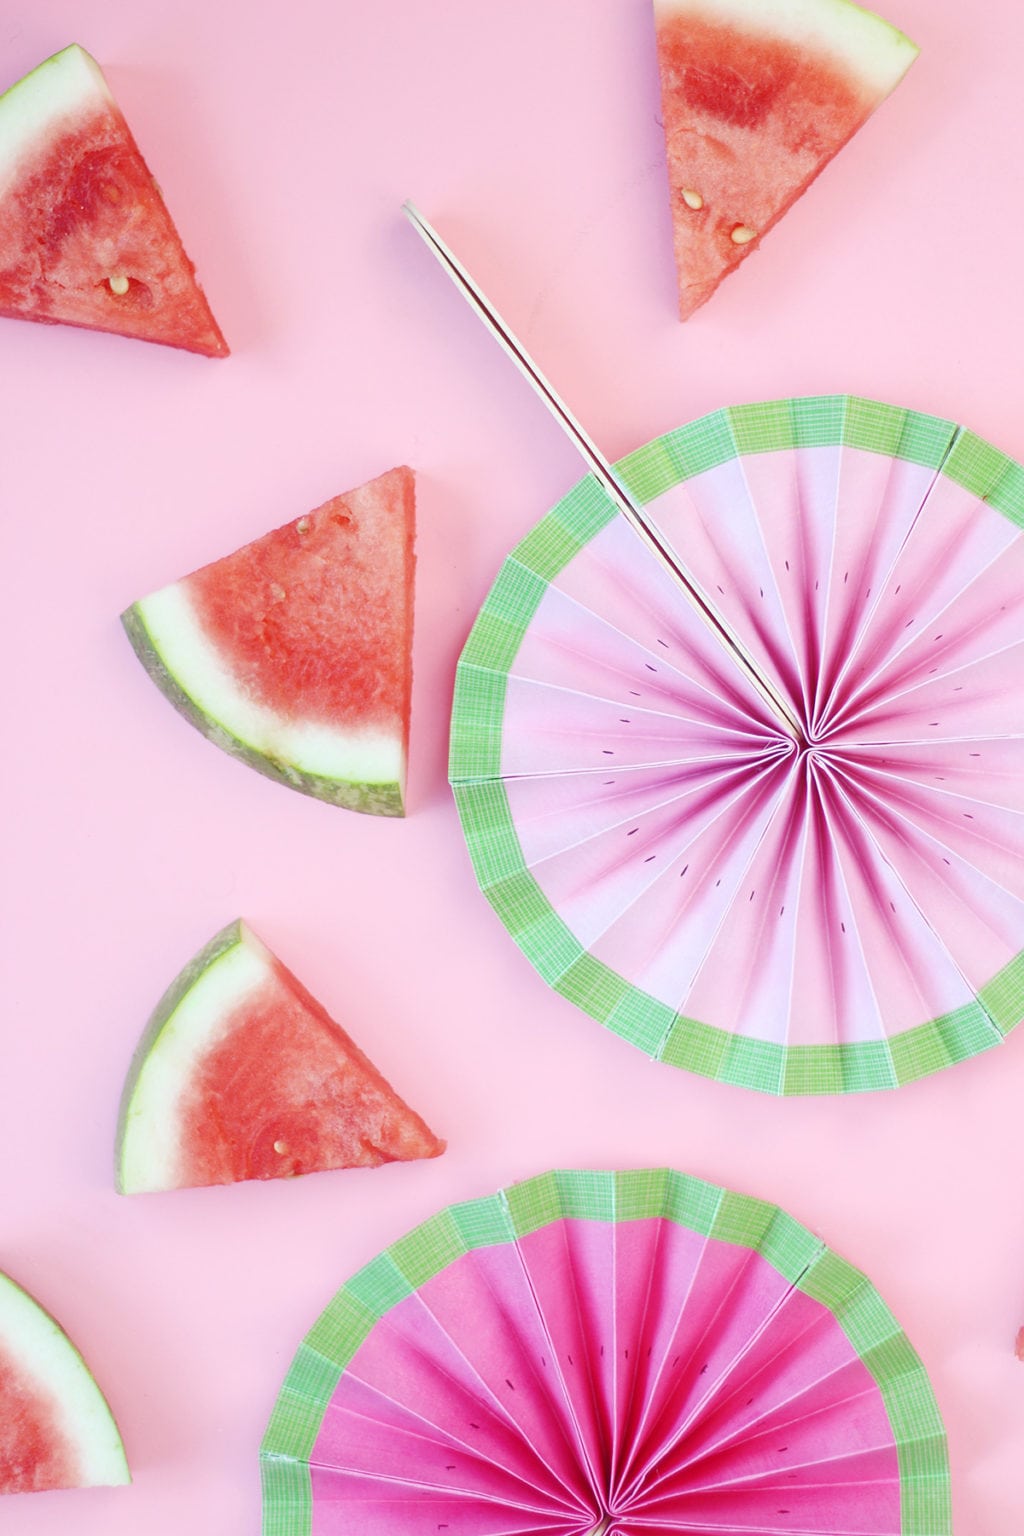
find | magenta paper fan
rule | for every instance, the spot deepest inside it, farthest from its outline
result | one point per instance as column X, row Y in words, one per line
column 839, row 906
column 634, row 1353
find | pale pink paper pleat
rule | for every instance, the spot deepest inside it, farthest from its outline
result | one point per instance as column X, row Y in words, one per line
column 699, row 854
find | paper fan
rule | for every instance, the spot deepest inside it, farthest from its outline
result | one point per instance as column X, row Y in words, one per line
column 595, row 1352
column 843, row 910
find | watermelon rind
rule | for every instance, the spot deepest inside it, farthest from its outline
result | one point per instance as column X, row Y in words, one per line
column 356, row 772
column 67, row 80
column 872, row 49
column 180, row 1027
column 41, row 1349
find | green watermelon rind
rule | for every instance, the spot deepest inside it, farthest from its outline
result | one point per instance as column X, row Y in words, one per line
column 28, row 103
column 220, row 945
column 93, row 1430
column 375, row 799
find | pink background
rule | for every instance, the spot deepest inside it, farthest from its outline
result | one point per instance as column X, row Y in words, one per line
column 285, row 139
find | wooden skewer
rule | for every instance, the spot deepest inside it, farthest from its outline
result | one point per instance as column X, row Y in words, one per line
column 602, row 470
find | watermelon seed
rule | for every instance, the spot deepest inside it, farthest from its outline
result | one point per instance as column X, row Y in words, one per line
column 692, row 199
column 302, row 526
column 280, row 1147
column 742, row 234
column 119, row 284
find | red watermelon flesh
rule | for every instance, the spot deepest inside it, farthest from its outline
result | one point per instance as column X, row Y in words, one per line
column 242, row 1074
column 316, row 617
column 85, row 236
column 35, row 1453
column 285, row 1091
column 756, row 99
column 295, row 652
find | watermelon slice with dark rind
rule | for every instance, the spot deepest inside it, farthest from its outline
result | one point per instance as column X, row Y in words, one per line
column 295, row 652
column 757, row 98
column 85, row 236
column 56, row 1429
column 241, row 1074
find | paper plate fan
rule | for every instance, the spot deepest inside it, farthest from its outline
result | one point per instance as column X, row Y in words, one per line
column 846, row 912
column 606, row 1352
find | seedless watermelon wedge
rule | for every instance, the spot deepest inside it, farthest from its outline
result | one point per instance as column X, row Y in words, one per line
column 295, row 653
column 85, row 237
column 241, row 1074
column 756, row 100
column 56, row 1430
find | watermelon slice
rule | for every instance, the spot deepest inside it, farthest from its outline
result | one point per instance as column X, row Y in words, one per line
column 56, row 1430
column 241, row 1074
column 85, row 238
column 295, row 653
column 757, row 97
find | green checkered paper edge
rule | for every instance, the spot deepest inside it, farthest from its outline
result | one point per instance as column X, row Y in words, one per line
column 796, row 1253
column 478, row 720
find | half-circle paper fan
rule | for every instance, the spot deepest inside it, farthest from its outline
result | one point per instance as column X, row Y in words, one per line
column 595, row 1352
column 846, row 912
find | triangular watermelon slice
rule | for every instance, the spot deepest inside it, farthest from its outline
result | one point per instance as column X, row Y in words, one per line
column 56, row 1430
column 295, row 653
column 757, row 97
column 85, row 238
column 241, row 1074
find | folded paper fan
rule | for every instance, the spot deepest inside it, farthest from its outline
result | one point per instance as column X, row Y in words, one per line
column 596, row 1352
column 841, row 909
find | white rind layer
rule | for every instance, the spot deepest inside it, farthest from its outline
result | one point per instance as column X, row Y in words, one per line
column 151, row 1136
column 61, row 86
column 875, row 52
column 354, row 757
column 42, row 1350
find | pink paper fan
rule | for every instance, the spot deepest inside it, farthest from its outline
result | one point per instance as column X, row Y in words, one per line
column 593, row 1352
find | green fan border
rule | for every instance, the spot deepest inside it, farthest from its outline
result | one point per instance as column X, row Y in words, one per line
column 478, row 719
column 795, row 1252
